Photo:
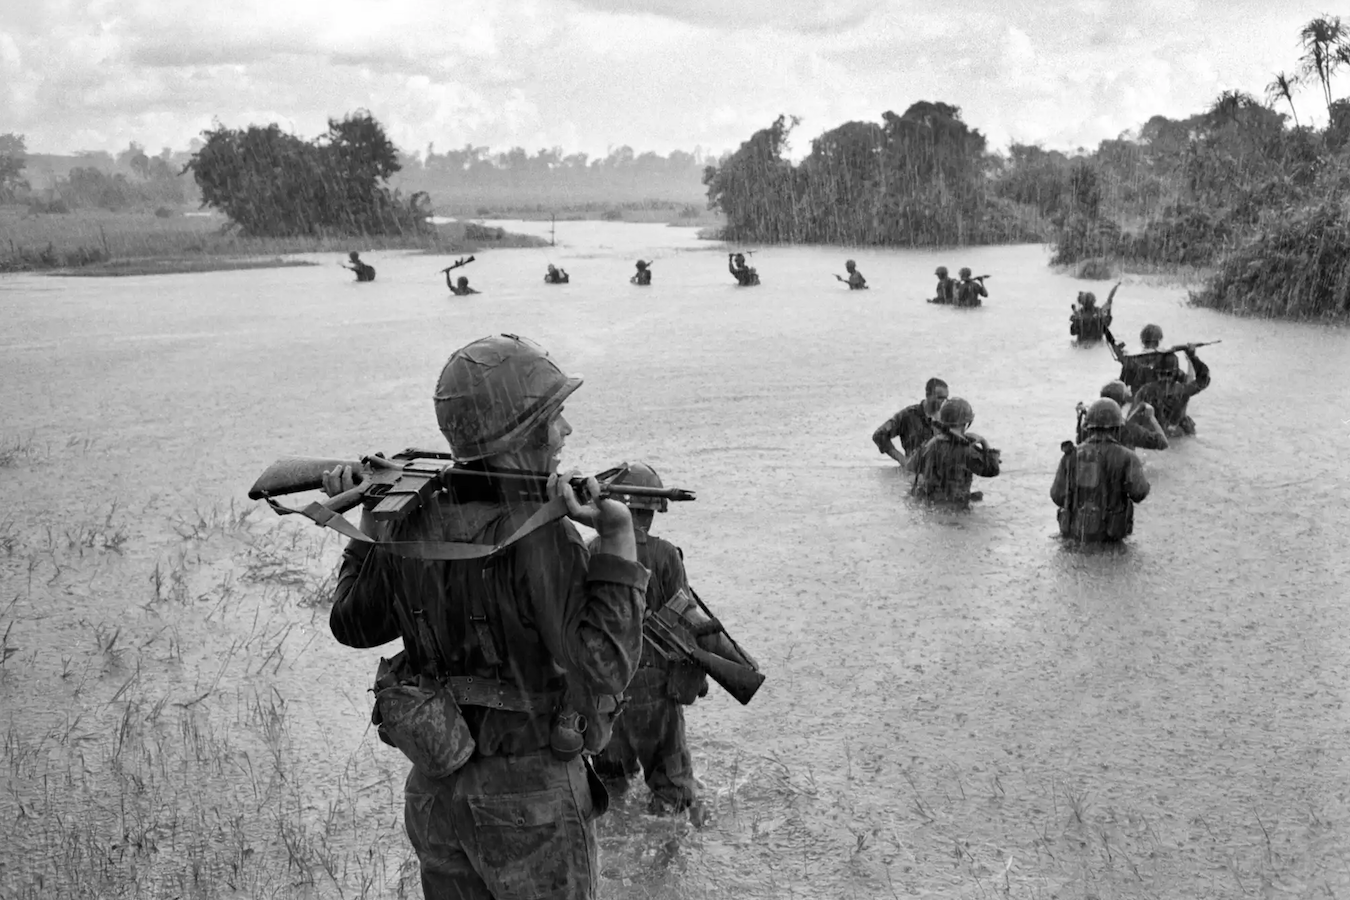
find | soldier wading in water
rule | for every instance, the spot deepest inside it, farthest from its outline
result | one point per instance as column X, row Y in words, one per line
column 529, row 640
column 1099, row 481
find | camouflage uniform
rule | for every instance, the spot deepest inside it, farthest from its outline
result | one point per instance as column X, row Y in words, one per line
column 1089, row 322
column 649, row 734
column 969, row 291
column 1096, row 487
column 1171, row 398
column 944, row 469
column 910, row 424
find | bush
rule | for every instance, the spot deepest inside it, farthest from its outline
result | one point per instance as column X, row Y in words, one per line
column 475, row 232
column 1095, row 269
column 163, row 212
column 612, row 215
column 56, row 206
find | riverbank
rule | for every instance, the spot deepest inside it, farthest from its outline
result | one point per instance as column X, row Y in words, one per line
column 94, row 243
column 680, row 215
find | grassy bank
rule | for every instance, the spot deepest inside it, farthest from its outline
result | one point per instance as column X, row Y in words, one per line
column 691, row 215
column 106, row 243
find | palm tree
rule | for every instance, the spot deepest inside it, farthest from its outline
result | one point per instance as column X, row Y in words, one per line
column 1282, row 86
column 1322, row 39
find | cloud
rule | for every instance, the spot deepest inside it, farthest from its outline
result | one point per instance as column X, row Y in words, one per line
column 653, row 74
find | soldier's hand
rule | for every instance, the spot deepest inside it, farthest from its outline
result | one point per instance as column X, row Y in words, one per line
column 338, row 480
column 1190, row 349
column 606, row 516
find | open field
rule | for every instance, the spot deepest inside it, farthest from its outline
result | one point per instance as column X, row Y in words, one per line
column 100, row 242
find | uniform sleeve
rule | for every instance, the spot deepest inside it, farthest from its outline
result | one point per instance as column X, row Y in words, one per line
column 671, row 574
column 1060, row 489
column 1201, row 377
column 363, row 601
column 889, row 429
column 588, row 611
column 1136, row 435
column 1136, row 482
column 982, row 462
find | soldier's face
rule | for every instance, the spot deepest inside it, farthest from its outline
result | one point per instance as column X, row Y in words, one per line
column 934, row 403
column 558, row 430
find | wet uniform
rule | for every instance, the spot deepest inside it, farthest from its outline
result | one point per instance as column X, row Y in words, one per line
column 946, row 291
column 556, row 277
column 363, row 271
column 910, row 424
column 1100, row 481
column 650, row 732
column 969, row 292
column 1136, row 436
column 944, row 468
column 514, row 821
column 745, row 276
column 1170, row 398
column 642, row 276
column 1089, row 323
column 856, row 281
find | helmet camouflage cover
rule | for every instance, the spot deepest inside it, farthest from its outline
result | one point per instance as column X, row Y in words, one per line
column 941, row 272
column 1150, row 334
column 1117, row 391
column 641, row 475
column 965, row 272
column 1103, row 413
column 956, row 411
column 494, row 391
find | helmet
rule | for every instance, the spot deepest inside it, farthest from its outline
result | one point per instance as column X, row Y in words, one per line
column 641, row 265
column 641, row 475
column 1087, row 298
column 1103, row 413
column 740, row 257
column 492, row 392
column 552, row 267
column 965, row 273
column 941, row 272
column 849, row 264
column 1150, row 334
column 353, row 256
column 956, row 411
column 463, row 281
column 1117, row 391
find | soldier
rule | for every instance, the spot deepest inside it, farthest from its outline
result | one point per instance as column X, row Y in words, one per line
column 1138, row 370
column 944, row 466
column 946, row 287
column 1099, row 481
column 855, row 280
column 554, row 275
column 363, row 271
column 1170, row 392
column 526, row 639
column 745, row 276
column 649, row 735
column 462, row 289
column 1087, row 321
column 912, row 424
column 643, row 276
column 1141, row 429
column 970, row 290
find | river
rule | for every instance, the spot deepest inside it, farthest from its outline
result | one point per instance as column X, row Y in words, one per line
column 956, row 704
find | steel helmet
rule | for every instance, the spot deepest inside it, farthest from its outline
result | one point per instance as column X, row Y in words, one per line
column 1087, row 298
column 740, row 257
column 1117, row 391
column 1150, row 334
column 941, row 272
column 956, row 411
column 849, row 264
column 463, row 281
column 492, row 392
column 641, row 265
column 641, row 475
column 965, row 273
column 1103, row 413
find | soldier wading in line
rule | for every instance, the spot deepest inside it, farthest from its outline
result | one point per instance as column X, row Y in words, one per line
column 527, row 641
column 1099, row 481
column 649, row 735
column 945, row 465
column 912, row 425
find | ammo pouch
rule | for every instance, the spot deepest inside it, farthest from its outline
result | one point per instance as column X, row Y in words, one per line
column 685, row 683
column 420, row 716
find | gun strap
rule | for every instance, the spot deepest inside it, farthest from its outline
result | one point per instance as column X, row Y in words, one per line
column 439, row 550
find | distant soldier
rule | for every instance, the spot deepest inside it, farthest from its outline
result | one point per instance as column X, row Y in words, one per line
column 1087, row 321
column 643, row 276
column 363, row 271
column 912, row 425
column 855, row 280
column 554, row 275
column 745, row 275
column 1138, row 370
column 460, row 288
column 1099, row 481
column 649, row 735
column 1170, row 392
column 970, row 290
column 946, row 287
column 944, row 466
column 1141, row 430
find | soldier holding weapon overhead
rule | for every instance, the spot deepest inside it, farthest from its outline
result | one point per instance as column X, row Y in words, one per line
column 461, row 287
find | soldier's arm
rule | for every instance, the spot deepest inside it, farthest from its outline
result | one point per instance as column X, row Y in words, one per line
column 588, row 610
column 1201, row 375
column 981, row 459
column 363, row 601
column 884, row 436
column 1136, row 482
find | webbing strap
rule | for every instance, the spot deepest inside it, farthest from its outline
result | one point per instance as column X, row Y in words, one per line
column 443, row 550
column 493, row 694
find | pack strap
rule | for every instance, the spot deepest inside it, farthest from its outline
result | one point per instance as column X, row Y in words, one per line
column 493, row 694
column 438, row 550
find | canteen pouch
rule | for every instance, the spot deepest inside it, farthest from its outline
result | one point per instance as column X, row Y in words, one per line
column 421, row 718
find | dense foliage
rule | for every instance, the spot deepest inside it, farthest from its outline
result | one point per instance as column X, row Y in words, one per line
column 13, row 158
column 274, row 184
column 916, row 179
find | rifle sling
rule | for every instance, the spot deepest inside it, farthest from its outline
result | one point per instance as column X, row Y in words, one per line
column 439, row 550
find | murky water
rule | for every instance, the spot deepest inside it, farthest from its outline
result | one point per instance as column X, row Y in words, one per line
column 956, row 704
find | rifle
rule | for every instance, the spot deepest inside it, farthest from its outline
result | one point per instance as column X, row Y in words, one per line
column 674, row 638
column 459, row 262
column 1078, row 428
column 392, row 488
column 956, row 435
column 1179, row 348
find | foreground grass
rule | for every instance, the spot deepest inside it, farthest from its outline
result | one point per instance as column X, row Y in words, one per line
column 99, row 242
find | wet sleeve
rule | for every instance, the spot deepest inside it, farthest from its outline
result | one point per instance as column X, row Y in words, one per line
column 363, row 609
column 1060, row 489
column 670, row 573
column 588, row 611
column 1136, row 482
column 889, row 429
column 1201, row 377
column 1136, row 435
column 982, row 462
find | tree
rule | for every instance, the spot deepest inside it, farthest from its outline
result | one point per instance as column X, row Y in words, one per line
column 1282, row 86
column 13, row 158
column 1324, row 51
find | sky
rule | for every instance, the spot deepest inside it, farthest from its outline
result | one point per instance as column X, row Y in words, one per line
column 591, row 75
